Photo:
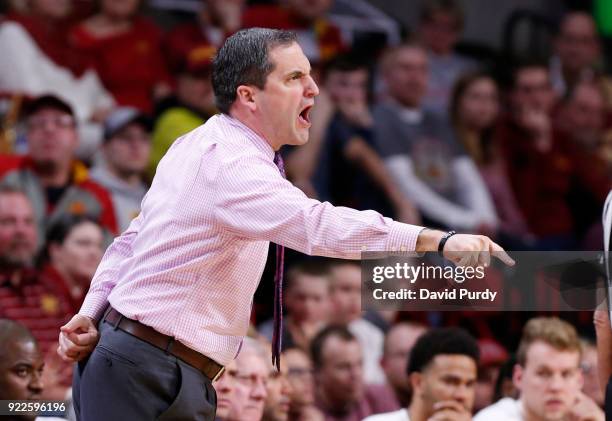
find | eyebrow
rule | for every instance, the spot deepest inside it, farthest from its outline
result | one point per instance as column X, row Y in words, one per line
column 298, row 72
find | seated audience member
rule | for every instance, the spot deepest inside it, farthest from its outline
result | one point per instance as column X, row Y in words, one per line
column 504, row 386
column 125, row 48
column 492, row 356
column 215, row 21
column 474, row 108
column 54, row 180
column 278, row 395
column 345, row 295
column 440, row 26
column 421, row 152
column 192, row 105
column 547, row 376
column 319, row 38
column 340, row 392
column 307, row 304
column 589, row 366
column 126, row 150
column 37, row 60
column 249, row 379
column 543, row 167
column 299, row 375
column 442, row 370
column 350, row 171
column 75, row 245
column 21, row 368
column 224, row 387
column 399, row 341
column 577, row 52
column 24, row 296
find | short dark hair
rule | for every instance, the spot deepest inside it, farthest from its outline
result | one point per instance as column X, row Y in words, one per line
column 311, row 267
column 347, row 62
column 442, row 341
column 450, row 7
column 11, row 332
column 244, row 59
column 60, row 228
column 318, row 342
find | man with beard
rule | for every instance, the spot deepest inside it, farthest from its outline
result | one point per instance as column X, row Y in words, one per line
column 442, row 370
column 53, row 179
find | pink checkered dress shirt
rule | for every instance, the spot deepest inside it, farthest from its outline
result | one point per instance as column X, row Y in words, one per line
column 189, row 264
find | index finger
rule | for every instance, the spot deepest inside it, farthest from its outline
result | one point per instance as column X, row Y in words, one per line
column 82, row 339
column 500, row 253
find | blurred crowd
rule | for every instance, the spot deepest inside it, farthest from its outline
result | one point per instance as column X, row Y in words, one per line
column 511, row 144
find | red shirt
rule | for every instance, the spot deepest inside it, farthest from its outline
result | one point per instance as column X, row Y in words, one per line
column 184, row 40
column 52, row 38
column 130, row 64
column 272, row 16
column 542, row 182
column 34, row 303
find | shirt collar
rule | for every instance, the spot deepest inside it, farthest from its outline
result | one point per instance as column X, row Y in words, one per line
column 261, row 143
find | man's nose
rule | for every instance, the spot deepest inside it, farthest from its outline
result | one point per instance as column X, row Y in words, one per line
column 312, row 89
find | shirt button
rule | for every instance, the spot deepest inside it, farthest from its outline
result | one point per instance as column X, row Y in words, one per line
column 364, row 248
column 403, row 248
column 394, row 248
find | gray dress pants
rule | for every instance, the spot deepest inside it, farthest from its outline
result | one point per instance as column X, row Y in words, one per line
column 126, row 378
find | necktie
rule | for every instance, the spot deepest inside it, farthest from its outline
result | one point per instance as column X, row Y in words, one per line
column 278, row 287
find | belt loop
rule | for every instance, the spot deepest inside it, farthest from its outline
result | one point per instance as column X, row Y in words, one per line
column 169, row 346
column 118, row 321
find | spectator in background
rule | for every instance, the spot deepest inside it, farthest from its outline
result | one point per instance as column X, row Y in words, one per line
column 319, row 38
column 249, row 382
column 299, row 375
column 345, row 294
column 442, row 370
column 37, row 60
column 350, row 172
column 399, row 341
column 189, row 108
column 126, row 50
column 126, row 151
column 421, row 152
column 543, row 166
column 21, row 367
column 440, row 27
column 224, row 387
column 474, row 109
column 307, row 304
column 338, row 367
column 54, row 180
column 504, row 386
column 278, row 395
column 215, row 21
column 577, row 52
column 589, row 367
column 492, row 356
column 73, row 251
column 547, row 376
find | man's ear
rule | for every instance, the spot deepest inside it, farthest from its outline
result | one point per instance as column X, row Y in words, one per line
column 245, row 95
column 416, row 380
column 517, row 376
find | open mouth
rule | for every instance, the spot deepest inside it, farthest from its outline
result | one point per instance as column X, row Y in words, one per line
column 304, row 116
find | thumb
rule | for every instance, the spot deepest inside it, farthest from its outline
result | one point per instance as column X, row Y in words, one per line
column 75, row 323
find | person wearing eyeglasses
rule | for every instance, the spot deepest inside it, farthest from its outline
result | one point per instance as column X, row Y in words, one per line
column 54, row 180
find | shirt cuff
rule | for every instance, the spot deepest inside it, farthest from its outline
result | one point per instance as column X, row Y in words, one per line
column 94, row 306
column 403, row 237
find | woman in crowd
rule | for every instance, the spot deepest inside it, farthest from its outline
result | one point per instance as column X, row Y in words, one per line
column 474, row 110
column 75, row 245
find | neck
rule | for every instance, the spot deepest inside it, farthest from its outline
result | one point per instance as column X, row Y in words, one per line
column 71, row 281
column 249, row 120
column 115, row 21
column 529, row 415
column 331, row 405
column 52, row 174
column 417, row 410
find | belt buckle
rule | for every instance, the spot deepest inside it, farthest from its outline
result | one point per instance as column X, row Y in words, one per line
column 218, row 375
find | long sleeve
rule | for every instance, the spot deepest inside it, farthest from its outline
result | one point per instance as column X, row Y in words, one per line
column 106, row 277
column 472, row 191
column 254, row 201
column 428, row 201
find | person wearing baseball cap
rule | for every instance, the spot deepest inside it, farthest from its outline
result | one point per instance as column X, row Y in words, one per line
column 126, row 149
